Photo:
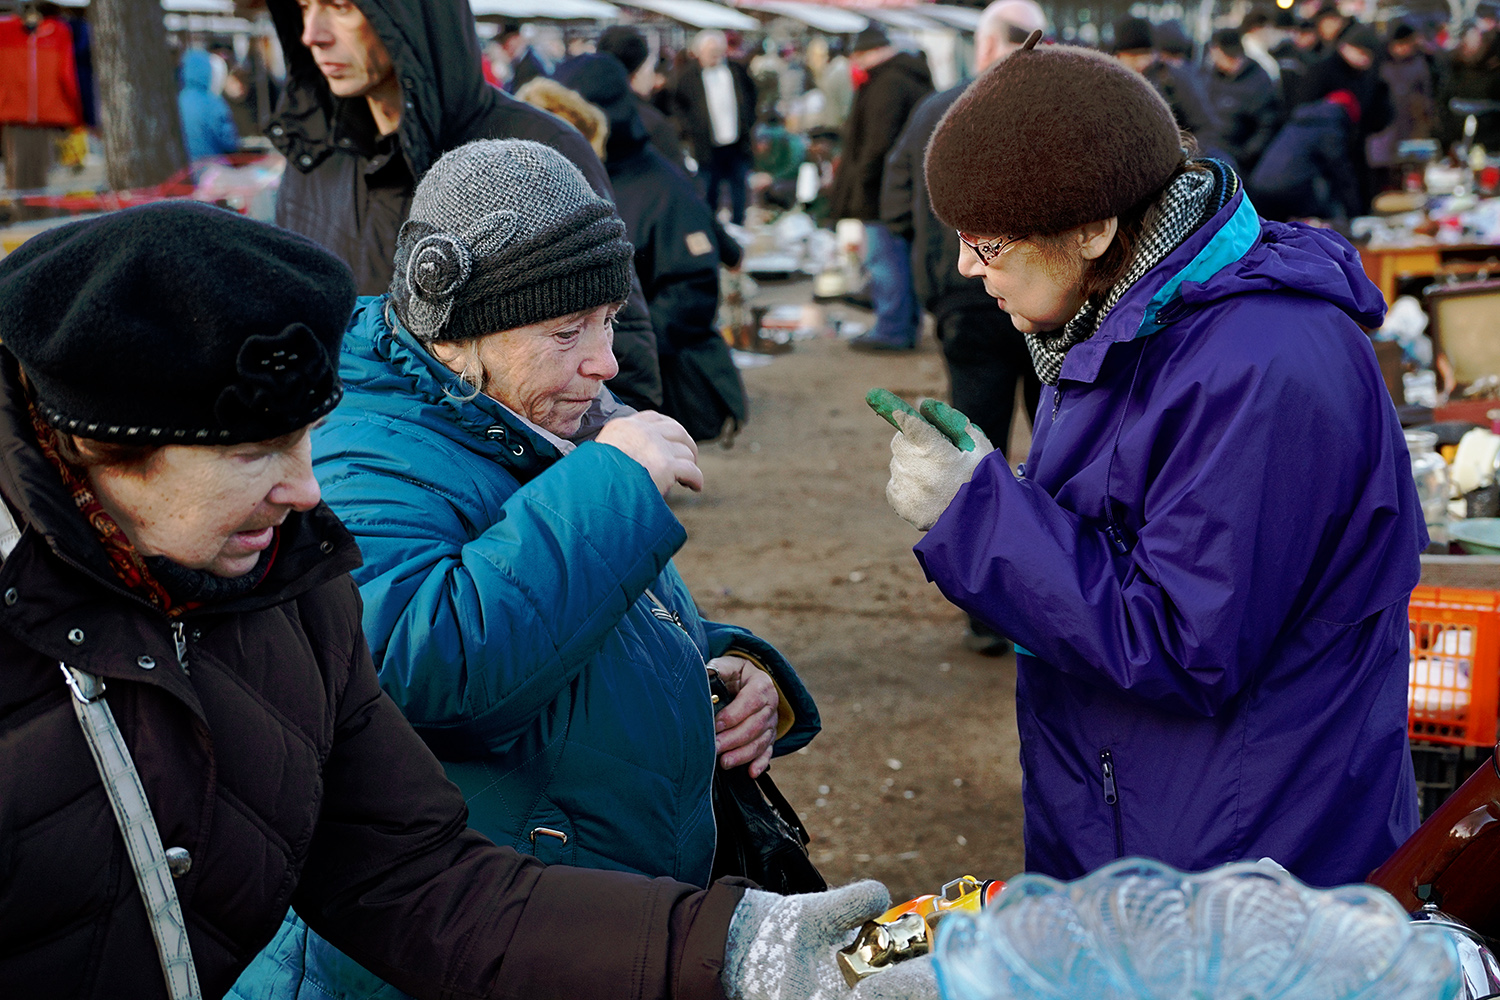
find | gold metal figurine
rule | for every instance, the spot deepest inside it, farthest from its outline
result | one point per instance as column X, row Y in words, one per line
column 909, row 930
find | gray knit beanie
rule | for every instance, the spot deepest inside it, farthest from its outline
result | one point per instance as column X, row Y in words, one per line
column 504, row 233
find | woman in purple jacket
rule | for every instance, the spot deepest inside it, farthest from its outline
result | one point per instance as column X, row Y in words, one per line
column 1208, row 553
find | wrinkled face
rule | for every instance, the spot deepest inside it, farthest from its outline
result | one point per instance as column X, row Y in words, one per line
column 1039, row 293
column 548, row 372
column 210, row 507
column 344, row 45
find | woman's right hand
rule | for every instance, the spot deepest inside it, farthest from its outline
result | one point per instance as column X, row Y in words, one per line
column 660, row 444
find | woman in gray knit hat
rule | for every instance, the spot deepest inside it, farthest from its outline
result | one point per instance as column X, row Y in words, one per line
column 519, row 596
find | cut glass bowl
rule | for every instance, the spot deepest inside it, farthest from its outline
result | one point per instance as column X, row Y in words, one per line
column 1141, row 930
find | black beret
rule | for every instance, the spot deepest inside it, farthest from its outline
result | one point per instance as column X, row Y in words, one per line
column 1048, row 139
column 176, row 323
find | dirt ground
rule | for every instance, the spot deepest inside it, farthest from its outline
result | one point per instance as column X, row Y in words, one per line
column 915, row 778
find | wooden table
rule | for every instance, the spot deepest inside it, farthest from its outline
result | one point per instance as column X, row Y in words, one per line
column 1388, row 265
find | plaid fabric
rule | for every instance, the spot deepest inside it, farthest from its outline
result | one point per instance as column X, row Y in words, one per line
column 1189, row 202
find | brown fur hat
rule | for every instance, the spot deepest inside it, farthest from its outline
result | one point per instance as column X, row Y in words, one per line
column 1048, row 139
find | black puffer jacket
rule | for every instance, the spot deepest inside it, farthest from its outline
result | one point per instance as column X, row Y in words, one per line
column 276, row 762
column 350, row 190
column 880, row 110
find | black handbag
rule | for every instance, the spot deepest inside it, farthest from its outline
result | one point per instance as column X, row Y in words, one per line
column 759, row 834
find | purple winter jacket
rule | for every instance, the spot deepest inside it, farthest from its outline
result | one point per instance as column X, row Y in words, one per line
column 1208, row 558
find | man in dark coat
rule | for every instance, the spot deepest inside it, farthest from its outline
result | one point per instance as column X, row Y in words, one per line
column 1244, row 96
column 715, row 103
column 628, row 45
column 1350, row 66
column 676, row 254
column 373, row 97
column 986, row 354
column 1178, row 84
column 897, row 82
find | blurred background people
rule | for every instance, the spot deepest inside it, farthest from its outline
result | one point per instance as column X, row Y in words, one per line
column 1350, row 67
column 1244, row 97
column 208, row 127
column 1175, row 80
column 39, row 94
column 1411, row 78
column 985, row 354
column 715, row 101
column 627, row 44
column 895, row 83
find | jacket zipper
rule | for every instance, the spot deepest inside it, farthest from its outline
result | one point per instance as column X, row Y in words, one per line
column 180, row 641
column 1056, row 401
column 1112, row 799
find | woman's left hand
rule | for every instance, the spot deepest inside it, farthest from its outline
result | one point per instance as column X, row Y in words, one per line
column 746, row 727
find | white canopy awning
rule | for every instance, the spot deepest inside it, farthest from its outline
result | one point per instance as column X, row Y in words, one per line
column 557, row 10
column 906, row 19
column 698, row 13
column 225, row 7
column 964, row 18
column 834, row 20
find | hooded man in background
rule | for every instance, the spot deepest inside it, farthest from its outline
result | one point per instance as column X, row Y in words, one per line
column 984, row 351
column 897, row 82
column 376, row 91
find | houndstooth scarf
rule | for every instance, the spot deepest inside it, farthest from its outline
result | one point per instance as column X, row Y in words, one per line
column 1188, row 202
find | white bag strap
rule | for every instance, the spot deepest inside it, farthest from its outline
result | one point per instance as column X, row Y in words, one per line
column 10, row 532
column 132, row 812
column 127, row 798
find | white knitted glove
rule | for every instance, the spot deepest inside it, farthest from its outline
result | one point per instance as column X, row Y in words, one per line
column 909, row 980
column 927, row 469
column 783, row 947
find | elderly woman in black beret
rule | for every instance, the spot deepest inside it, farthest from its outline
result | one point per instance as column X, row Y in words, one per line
column 192, row 736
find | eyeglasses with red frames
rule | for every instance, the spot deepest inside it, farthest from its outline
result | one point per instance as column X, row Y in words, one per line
column 991, row 249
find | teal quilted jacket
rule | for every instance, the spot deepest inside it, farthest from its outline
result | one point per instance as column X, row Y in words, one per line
column 505, row 603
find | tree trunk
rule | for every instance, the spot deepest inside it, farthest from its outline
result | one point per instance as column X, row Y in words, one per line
column 137, row 89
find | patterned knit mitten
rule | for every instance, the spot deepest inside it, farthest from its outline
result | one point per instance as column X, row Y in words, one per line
column 783, row 947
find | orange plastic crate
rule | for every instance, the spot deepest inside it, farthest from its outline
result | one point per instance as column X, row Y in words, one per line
column 1455, row 666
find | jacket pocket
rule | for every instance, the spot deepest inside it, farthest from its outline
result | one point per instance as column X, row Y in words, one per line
column 1112, row 798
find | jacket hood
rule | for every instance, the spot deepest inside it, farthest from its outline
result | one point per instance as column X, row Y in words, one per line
column 197, row 70
column 435, row 51
column 1235, row 253
column 386, row 372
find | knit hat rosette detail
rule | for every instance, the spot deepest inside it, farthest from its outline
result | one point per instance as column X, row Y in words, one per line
column 1049, row 139
column 504, row 233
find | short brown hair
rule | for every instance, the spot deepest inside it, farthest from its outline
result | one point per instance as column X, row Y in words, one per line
column 1102, row 274
column 86, row 453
